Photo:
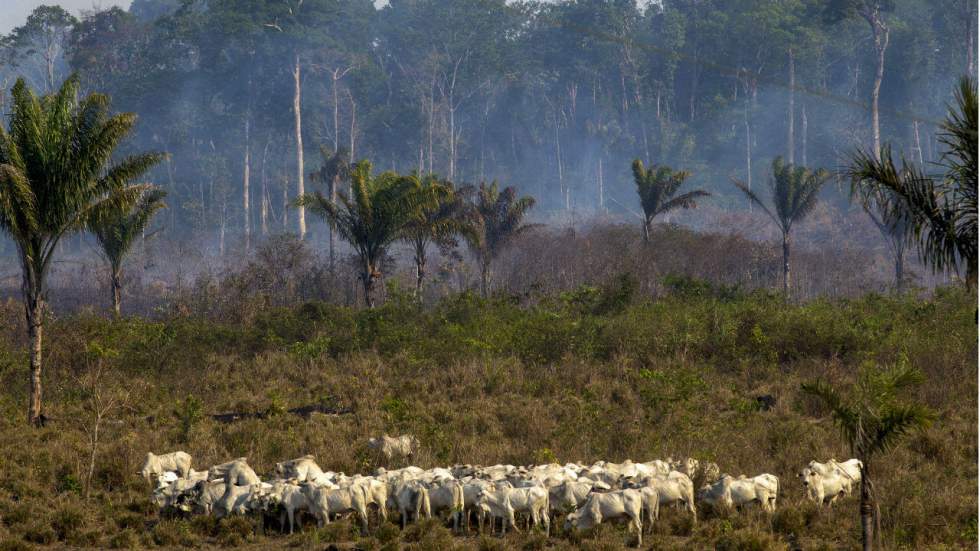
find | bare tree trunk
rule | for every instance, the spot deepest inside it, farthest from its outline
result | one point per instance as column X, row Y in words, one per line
column 880, row 33
column 748, row 151
column 786, row 274
column 264, row 209
column 336, row 109
column 918, row 143
column 353, row 126
column 971, row 50
column 803, row 133
column 602, row 196
column 246, row 184
column 116, row 284
column 297, row 114
column 94, row 442
column 646, row 231
column 791, row 146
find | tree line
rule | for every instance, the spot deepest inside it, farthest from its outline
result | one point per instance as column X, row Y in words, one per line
column 60, row 173
column 556, row 98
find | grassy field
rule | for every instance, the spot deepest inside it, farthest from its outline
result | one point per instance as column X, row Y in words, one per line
column 597, row 373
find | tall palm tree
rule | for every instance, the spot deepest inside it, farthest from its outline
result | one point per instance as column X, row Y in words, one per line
column 794, row 191
column 334, row 171
column 872, row 418
column 657, row 186
column 117, row 231
column 372, row 219
column 436, row 221
column 940, row 214
column 56, row 176
column 493, row 219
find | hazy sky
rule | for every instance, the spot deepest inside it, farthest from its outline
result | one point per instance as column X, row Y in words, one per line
column 14, row 12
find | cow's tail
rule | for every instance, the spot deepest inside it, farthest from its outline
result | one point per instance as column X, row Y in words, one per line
column 425, row 506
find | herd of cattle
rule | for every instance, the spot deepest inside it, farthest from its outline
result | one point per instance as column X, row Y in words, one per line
column 586, row 494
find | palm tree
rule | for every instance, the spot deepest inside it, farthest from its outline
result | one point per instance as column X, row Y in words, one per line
column 657, row 186
column 56, row 176
column 334, row 171
column 493, row 219
column 940, row 214
column 878, row 203
column 437, row 221
column 372, row 219
column 872, row 418
column 117, row 232
column 794, row 191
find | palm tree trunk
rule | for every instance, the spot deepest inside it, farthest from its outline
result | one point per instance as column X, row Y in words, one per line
column 34, row 310
column 867, row 511
column 900, row 272
column 485, row 277
column 419, row 271
column 116, row 284
column 646, row 231
column 367, row 279
column 786, row 274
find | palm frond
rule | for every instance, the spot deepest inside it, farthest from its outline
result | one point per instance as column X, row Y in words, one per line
column 744, row 188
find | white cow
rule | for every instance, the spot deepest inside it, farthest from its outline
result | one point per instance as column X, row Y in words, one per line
column 412, row 497
column 447, row 495
column 290, row 497
column 851, row 469
column 206, row 494
column 674, row 489
column 825, row 488
column 401, row 447
column 571, row 495
column 240, row 474
column 156, row 465
column 503, row 501
column 599, row 507
column 239, row 500
column 302, row 469
column 324, row 502
column 375, row 492
column 737, row 492
column 221, row 470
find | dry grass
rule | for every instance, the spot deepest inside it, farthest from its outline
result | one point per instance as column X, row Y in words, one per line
column 493, row 382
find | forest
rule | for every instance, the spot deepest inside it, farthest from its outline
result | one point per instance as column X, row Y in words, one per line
column 536, row 235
